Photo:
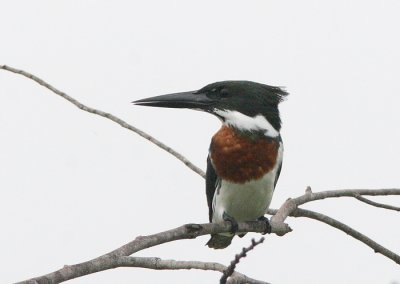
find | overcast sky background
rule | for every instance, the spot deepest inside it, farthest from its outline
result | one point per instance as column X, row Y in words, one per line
column 74, row 186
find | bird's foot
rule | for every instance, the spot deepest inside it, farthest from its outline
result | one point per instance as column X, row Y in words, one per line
column 268, row 228
column 230, row 219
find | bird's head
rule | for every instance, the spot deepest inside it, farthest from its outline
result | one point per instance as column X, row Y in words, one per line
column 245, row 105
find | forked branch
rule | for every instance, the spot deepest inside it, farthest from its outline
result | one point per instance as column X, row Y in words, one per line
column 291, row 208
column 116, row 258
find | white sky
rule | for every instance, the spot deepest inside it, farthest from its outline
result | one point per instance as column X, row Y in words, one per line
column 74, row 186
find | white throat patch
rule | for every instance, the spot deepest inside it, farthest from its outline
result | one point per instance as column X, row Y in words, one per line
column 244, row 122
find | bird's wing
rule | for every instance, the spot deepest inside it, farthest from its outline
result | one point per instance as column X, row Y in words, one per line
column 212, row 183
column 278, row 172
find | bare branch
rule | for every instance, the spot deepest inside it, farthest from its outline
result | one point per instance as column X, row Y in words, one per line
column 108, row 116
column 231, row 268
column 188, row 231
column 292, row 203
column 376, row 204
column 155, row 263
column 348, row 230
column 311, row 196
column 191, row 231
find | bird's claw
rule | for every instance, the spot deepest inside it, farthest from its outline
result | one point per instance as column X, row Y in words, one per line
column 234, row 224
column 268, row 228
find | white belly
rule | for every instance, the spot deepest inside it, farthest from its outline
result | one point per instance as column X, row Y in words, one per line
column 243, row 202
column 247, row 201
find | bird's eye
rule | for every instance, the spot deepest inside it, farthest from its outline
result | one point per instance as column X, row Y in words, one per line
column 214, row 94
column 218, row 93
column 224, row 93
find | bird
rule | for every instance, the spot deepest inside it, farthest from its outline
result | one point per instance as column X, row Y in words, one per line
column 245, row 155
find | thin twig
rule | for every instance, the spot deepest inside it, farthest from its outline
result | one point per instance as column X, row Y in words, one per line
column 108, row 116
column 231, row 268
column 155, row 263
column 376, row 204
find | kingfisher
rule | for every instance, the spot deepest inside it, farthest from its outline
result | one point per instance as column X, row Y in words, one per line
column 245, row 155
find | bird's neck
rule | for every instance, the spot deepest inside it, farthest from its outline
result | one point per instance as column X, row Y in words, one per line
column 257, row 125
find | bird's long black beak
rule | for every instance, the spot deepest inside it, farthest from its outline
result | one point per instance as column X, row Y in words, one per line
column 192, row 100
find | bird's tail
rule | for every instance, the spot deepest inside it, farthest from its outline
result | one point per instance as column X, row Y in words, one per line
column 219, row 241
